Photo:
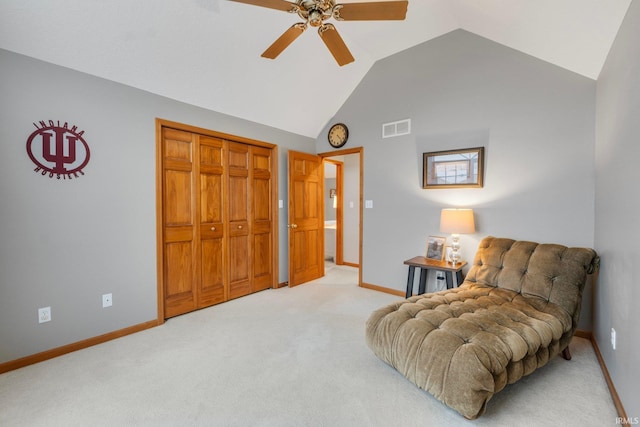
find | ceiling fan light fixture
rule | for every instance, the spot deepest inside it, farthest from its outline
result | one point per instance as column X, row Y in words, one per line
column 316, row 18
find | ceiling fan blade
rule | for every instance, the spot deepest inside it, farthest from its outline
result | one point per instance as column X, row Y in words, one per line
column 372, row 11
column 272, row 4
column 335, row 44
column 284, row 40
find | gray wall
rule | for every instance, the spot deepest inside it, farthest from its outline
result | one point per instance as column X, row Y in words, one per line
column 617, row 232
column 535, row 120
column 64, row 244
column 351, row 203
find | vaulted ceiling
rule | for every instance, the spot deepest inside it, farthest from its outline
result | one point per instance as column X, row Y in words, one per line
column 207, row 52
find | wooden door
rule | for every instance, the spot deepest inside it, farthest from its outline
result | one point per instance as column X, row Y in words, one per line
column 179, row 222
column 211, row 217
column 217, row 223
column 262, row 218
column 306, row 218
column 239, row 242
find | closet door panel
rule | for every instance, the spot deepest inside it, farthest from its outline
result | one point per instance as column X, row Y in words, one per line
column 263, row 260
column 180, row 265
column 178, row 208
column 179, row 261
column 211, row 218
column 211, row 206
column 240, row 254
column 238, row 203
column 239, row 264
column 212, row 289
column 262, row 199
column 262, row 218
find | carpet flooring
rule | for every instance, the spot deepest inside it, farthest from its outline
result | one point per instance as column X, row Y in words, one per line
column 286, row 357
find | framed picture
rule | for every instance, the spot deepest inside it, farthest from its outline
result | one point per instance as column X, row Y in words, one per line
column 332, row 193
column 453, row 169
column 436, row 248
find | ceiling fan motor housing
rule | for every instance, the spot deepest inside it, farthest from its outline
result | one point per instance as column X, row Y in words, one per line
column 315, row 12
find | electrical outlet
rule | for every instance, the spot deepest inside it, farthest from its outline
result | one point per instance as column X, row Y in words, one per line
column 613, row 338
column 44, row 314
column 107, row 300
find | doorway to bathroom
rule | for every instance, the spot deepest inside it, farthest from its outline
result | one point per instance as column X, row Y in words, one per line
column 343, row 177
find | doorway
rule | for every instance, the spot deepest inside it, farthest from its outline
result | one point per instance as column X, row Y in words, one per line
column 348, row 202
column 306, row 213
column 333, row 210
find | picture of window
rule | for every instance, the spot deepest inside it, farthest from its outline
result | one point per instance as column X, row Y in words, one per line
column 453, row 169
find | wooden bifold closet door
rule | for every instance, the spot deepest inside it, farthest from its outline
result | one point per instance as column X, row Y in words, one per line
column 217, row 216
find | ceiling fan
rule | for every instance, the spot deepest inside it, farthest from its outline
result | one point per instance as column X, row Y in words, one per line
column 316, row 12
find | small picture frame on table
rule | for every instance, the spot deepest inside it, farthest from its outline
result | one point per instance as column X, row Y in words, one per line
column 436, row 248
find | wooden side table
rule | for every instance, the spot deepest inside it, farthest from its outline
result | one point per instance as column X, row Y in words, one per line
column 426, row 264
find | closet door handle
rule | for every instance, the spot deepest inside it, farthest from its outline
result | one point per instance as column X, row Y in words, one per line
column 240, row 226
column 293, row 226
column 213, row 229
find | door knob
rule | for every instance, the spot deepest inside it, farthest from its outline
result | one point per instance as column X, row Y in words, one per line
column 239, row 226
column 293, row 226
column 213, row 229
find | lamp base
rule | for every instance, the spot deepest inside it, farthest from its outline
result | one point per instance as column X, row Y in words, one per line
column 455, row 249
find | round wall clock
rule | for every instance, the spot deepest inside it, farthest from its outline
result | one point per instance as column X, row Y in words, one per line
column 338, row 135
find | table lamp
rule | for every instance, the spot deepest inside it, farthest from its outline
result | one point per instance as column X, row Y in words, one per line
column 456, row 222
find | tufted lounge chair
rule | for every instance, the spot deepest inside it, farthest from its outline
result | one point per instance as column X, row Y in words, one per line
column 517, row 308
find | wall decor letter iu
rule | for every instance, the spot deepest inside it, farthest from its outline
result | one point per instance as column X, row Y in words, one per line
column 58, row 150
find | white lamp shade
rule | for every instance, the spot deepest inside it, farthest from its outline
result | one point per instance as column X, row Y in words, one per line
column 457, row 221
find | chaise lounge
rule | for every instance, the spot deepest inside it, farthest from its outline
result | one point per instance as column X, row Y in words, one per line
column 517, row 308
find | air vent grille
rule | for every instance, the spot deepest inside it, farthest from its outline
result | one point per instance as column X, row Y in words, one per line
column 392, row 129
